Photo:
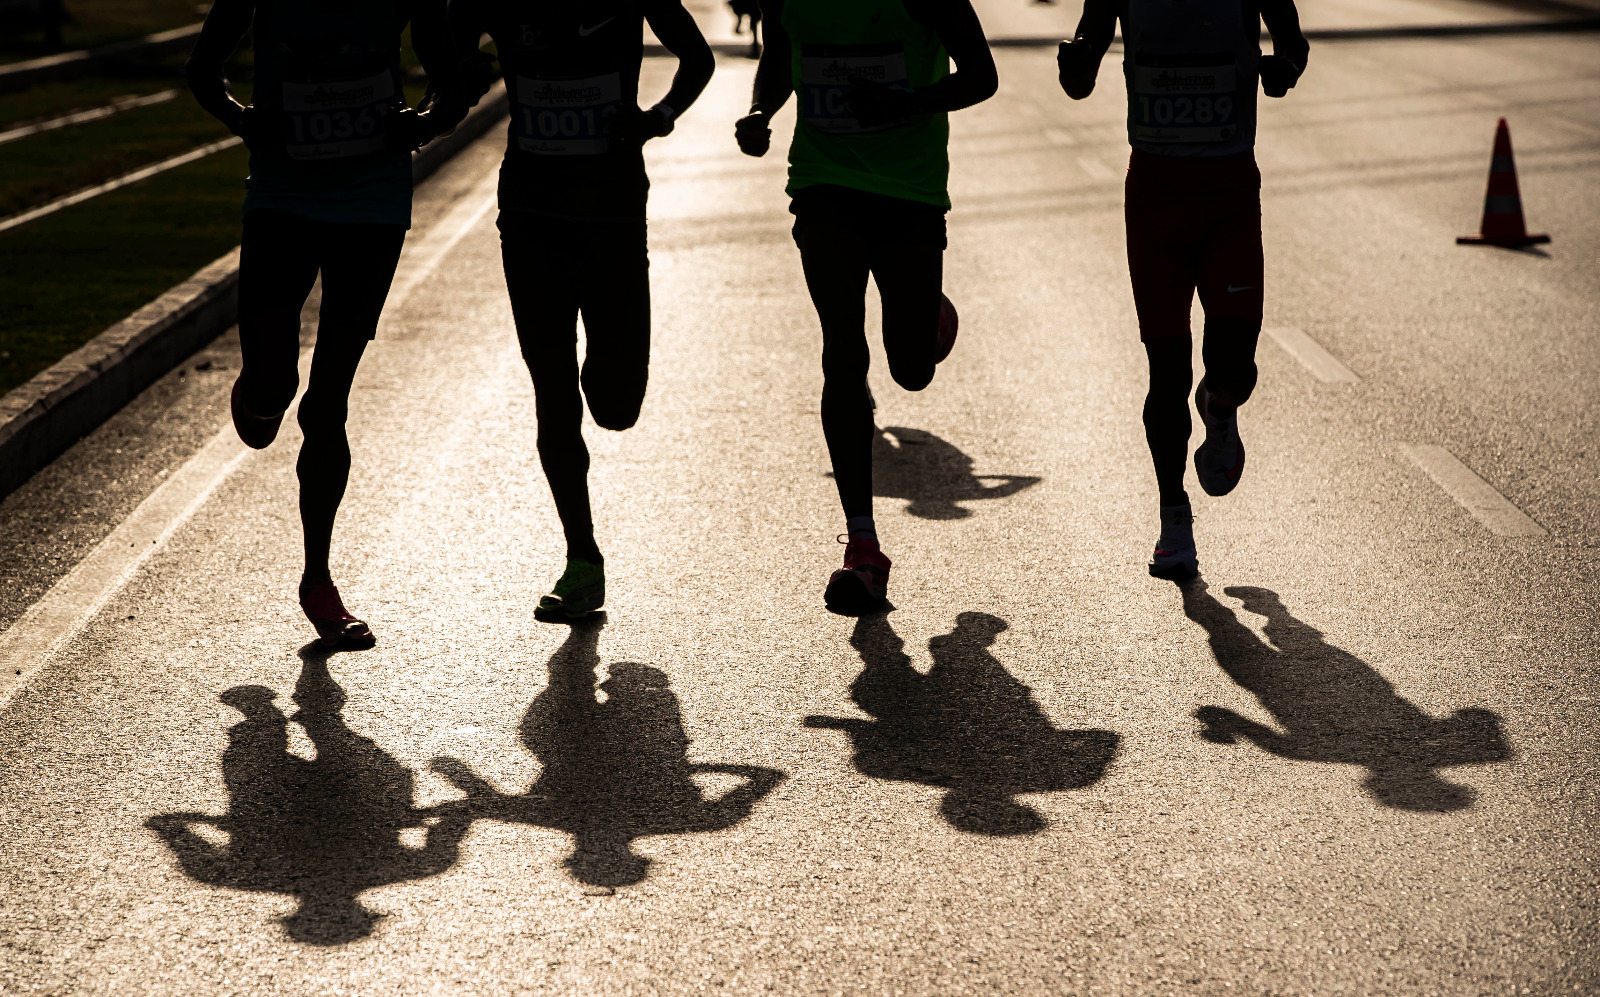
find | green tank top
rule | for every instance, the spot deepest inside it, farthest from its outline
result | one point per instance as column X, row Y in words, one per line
column 836, row 41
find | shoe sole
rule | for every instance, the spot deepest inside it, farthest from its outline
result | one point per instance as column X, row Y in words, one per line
column 1183, row 571
column 1205, row 485
column 561, row 613
column 848, row 595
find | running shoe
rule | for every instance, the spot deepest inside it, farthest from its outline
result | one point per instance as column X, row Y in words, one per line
column 861, row 586
column 336, row 628
column 1220, row 459
column 579, row 591
column 1175, row 558
column 256, row 431
column 949, row 322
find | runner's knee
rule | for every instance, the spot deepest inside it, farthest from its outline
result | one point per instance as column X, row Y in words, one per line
column 912, row 375
column 1229, row 352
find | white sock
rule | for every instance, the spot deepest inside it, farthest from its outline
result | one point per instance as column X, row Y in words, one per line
column 861, row 526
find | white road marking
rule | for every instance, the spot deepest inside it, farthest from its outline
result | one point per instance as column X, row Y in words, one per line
column 1474, row 494
column 1096, row 169
column 92, row 114
column 46, row 627
column 1324, row 366
column 79, row 196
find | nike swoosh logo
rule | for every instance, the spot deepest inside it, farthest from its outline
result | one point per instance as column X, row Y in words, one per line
column 584, row 32
column 1236, row 290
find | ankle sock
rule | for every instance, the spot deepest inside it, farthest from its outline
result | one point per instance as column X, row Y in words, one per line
column 861, row 526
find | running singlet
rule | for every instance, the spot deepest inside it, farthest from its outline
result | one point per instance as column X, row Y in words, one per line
column 334, row 73
column 1191, row 68
column 837, row 42
column 569, row 69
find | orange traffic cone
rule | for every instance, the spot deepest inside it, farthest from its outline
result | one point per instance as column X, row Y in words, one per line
column 1502, row 205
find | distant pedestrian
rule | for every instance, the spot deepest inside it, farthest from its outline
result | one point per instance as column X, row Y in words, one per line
column 329, row 192
column 1193, row 218
column 747, row 11
column 572, row 227
column 869, row 171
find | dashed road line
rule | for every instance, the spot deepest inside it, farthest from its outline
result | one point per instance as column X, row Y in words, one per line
column 92, row 114
column 1324, row 366
column 46, row 627
column 1473, row 493
column 77, row 197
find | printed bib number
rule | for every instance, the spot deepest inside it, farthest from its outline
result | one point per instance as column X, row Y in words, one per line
column 567, row 117
column 827, row 73
column 1193, row 103
column 337, row 119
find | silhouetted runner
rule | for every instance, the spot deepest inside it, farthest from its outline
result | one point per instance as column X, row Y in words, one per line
column 572, row 227
column 1334, row 707
column 321, row 831
column 968, row 726
column 329, row 192
column 613, row 772
column 1193, row 218
column 869, row 167
column 748, row 12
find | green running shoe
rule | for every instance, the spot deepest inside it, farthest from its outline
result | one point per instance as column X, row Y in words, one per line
column 580, row 591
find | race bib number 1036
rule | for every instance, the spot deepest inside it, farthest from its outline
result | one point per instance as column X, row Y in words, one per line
column 339, row 118
column 567, row 117
column 1195, row 103
column 829, row 72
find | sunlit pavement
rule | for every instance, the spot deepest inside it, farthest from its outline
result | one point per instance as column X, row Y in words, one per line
column 1358, row 759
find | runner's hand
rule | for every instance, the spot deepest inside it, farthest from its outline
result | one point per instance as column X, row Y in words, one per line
column 408, row 130
column 631, row 126
column 875, row 104
column 753, row 132
column 1278, row 75
column 261, row 129
column 1077, row 68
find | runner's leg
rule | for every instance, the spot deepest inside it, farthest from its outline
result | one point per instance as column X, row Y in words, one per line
column 542, row 278
column 836, row 275
column 615, row 286
column 1230, row 277
column 358, row 263
column 277, row 268
column 909, row 277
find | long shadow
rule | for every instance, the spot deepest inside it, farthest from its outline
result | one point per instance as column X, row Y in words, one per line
column 1334, row 707
column 968, row 727
column 933, row 474
column 614, row 772
column 320, row 831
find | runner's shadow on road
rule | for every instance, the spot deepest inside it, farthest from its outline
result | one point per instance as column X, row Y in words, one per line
column 968, row 727
column 321, row 831
column 933, row 475
column 613, row 771
column 1334, row 707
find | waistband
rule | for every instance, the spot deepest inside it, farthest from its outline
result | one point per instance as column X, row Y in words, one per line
column 1195, row 172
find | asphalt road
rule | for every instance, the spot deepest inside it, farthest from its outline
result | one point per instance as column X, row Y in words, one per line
column 1358, row 759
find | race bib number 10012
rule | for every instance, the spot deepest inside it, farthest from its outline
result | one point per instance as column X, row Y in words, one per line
column 337, row 119
column 567, row 117
column 829, row 72
column 1192, row 103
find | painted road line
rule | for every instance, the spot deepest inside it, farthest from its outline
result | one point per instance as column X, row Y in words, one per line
column 80, row 196
column 1096, row 169
column 92, row 114
column 49, row 624
column 1474, row 494
column 1324, row 366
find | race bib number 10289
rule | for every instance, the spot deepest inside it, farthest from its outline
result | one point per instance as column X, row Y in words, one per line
column 829, row 72
column 1192, row 103
column 567, row 117
column 339, row 118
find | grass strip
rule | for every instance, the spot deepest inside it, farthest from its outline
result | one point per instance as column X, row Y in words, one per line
column 69, row 276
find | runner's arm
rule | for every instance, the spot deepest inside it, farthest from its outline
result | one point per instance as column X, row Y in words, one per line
column 676, row 28
column 975, row 79
column 773, row 85
column 1281, row 70
column 1078, row 60
column 225, row 26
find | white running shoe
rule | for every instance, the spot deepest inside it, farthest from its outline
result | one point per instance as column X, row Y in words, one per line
column 1175, row 558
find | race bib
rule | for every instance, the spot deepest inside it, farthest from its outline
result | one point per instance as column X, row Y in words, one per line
column 337, row 119
column 567, row 117
column 826, row 75
column 1197, row 102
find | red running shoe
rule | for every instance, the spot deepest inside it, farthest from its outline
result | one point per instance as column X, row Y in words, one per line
column 949, row 321
column 862, row 585
column 256, row 431
column 336, row 628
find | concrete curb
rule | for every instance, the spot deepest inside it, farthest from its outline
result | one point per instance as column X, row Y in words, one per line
column 68, row 65
column 59, row 406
